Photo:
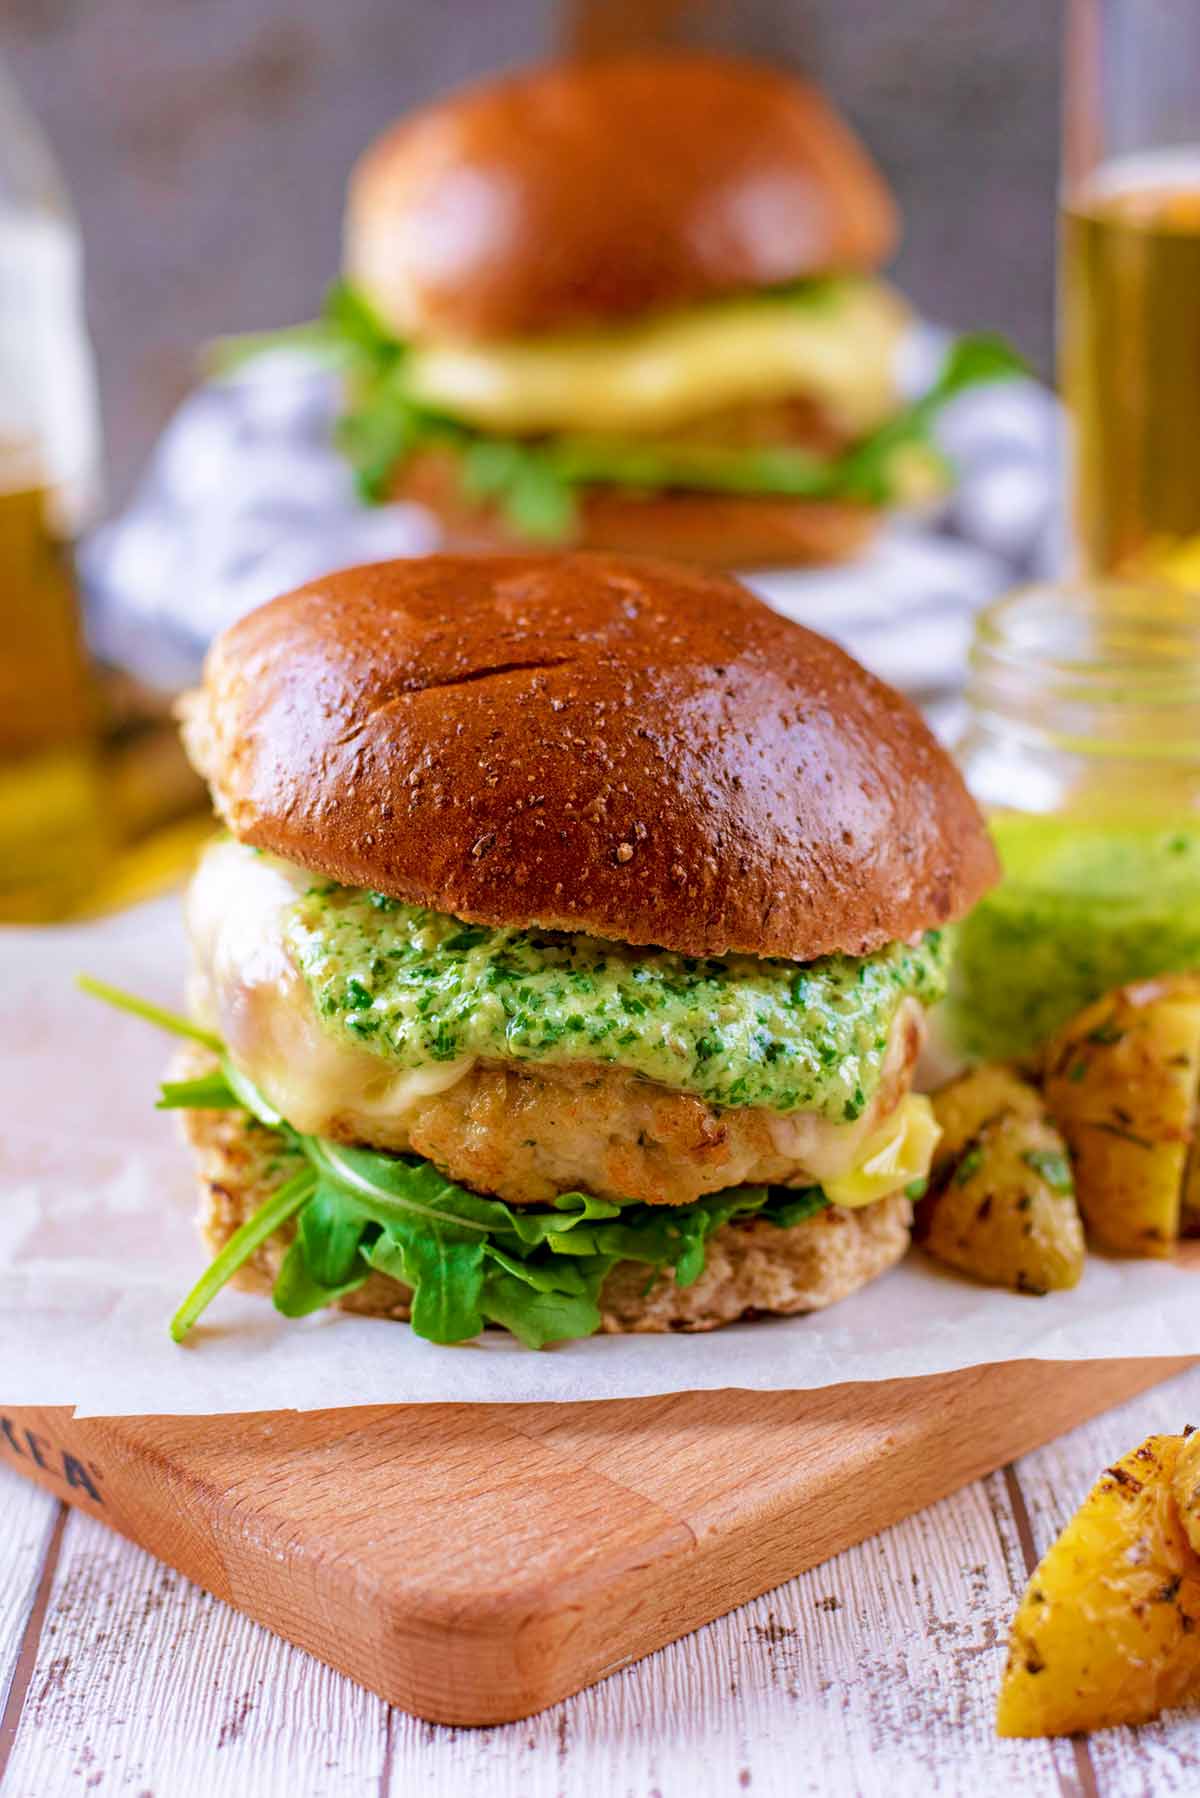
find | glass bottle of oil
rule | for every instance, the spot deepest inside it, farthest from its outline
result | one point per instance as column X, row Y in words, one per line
column 52, row 825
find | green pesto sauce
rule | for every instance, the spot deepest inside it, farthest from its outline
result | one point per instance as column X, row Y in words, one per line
column 417, row 987
column 1083, row 907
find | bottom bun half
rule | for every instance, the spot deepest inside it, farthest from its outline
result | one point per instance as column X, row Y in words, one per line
column 753, row 1268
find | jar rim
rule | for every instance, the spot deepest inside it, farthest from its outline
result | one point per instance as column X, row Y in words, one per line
column 1104, row 640
column 1104, row 666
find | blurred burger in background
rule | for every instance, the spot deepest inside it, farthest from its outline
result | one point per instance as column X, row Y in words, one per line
column 633, row 305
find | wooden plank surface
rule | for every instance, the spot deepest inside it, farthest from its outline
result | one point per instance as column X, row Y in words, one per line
column 874, row 1674
column 145, row 1684
column 476, row 1563
column 29, row 1519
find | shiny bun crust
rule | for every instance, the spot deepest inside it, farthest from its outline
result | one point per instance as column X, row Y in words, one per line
column 635, row 749
column 599, row 190
column 721, row 530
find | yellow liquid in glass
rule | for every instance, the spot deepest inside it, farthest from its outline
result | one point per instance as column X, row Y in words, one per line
column 52, row 826
column 1130, row 364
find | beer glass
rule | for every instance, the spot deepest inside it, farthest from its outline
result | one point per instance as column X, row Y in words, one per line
column 1129, row 283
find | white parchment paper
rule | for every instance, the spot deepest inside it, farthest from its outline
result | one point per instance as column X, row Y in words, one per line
column 97, row 1246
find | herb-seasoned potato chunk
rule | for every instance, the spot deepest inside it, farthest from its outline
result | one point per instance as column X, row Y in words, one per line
column 1186, row 1487
column 967, row 1103
column 1189, row 1209
column 1000, row 1204
column 1109, row 1628
column 1120, row 1081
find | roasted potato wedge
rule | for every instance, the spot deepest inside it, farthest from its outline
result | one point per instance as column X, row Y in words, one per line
column 1189, row 1207
column 1185, row 1484
column 1120, row 1082
column 1000, row 1204
column 1109, row 1628
column 967, row 1102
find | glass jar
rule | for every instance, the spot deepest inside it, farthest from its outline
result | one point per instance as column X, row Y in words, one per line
column 1083, row 746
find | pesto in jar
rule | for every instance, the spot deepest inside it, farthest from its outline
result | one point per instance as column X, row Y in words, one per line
column 418, row 988
column 1085, row 905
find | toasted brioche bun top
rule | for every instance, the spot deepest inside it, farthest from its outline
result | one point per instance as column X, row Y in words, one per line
column 589, row 192
column 633, row 749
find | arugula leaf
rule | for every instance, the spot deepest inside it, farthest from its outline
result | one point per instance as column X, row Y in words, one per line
column 226, row 355
column 470, row 1259
column 709, row 467
column 325, row 1261
column 538, row 1318
column 789, row 1208
column 331, row 1230
column 283, row 1203
column 247, row 1095
column 570, row 1277
column 867, row 471
column 170, row 1021
column 445, row 1273
column 530, row 483
column 973, row 361
column 534, row 482
column 352, row 322
column 209, row 1092
column 297, row 1293
column 347, row 330
column 399, row 1188
column 381, row 428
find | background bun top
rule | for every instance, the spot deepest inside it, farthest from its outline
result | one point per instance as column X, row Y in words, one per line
column 595, row 191
column 631, row 748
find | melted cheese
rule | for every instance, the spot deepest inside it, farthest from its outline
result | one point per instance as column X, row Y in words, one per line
column 895, row 1155
column 246, row 988
column 838, row 349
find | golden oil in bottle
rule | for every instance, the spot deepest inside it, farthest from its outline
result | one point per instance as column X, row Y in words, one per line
column 1129, row 333
column 52, row 824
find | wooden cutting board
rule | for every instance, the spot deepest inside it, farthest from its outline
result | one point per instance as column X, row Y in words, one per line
column 475, row 1563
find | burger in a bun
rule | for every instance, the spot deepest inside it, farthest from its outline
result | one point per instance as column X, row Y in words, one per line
column 566, row 962
column 633, row 305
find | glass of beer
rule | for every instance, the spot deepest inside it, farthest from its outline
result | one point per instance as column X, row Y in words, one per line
column 1129, row 293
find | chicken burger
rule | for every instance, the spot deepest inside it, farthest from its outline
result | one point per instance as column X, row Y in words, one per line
column 565, row 965
column 633, row 305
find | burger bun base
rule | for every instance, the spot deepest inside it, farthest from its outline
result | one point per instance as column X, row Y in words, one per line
column 718, row 530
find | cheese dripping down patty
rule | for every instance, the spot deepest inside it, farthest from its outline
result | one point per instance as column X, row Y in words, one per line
column 607, row 1128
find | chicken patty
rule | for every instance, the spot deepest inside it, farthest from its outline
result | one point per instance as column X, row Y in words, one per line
column 528, row 1134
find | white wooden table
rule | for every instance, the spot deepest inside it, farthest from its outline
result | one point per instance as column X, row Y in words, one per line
column 874, row 1674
